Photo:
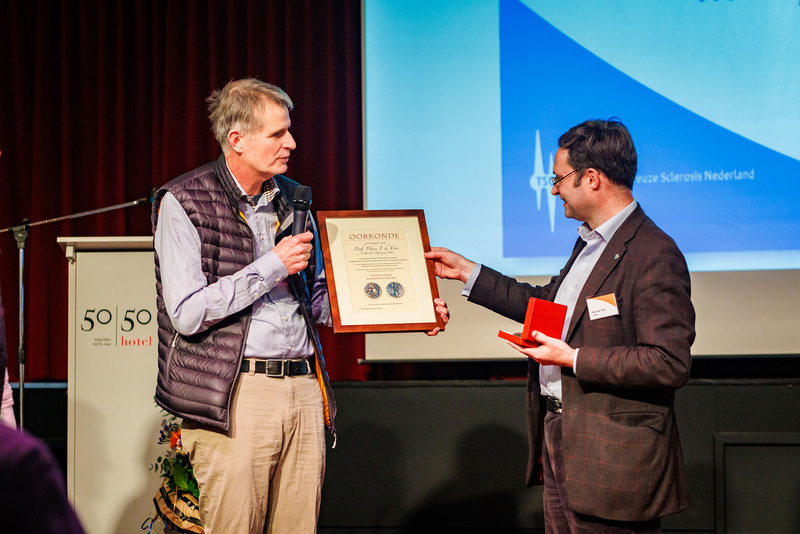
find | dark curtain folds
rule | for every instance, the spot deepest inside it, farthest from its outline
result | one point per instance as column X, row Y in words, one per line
column 104, row 100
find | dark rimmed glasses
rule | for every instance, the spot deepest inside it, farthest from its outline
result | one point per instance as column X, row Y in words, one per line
column 555, row 179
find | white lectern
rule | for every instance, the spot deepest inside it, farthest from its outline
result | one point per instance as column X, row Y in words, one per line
column 113, row 422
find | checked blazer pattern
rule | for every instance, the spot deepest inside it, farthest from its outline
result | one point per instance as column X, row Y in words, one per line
column 622, row 453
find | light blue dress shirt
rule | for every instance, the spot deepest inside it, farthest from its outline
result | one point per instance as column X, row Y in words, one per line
column 571, row 286
column 277, row 328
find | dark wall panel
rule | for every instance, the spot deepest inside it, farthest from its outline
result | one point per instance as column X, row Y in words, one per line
column 426, row 456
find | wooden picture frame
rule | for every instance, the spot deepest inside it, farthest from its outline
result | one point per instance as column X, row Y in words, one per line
column 378, row 277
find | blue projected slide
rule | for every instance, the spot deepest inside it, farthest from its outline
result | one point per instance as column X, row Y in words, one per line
column 711, row 189
column 465, row 102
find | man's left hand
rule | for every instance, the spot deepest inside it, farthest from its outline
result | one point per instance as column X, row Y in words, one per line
column 444, row 313
column 552, row 351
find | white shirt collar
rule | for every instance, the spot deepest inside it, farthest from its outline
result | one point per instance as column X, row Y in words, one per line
column 607, row 230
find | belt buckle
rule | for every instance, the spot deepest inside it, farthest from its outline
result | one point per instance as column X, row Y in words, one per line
column 281, row 368
column 307, row 365
column 554, row 405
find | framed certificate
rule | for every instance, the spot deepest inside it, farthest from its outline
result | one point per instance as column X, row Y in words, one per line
column 378, row 277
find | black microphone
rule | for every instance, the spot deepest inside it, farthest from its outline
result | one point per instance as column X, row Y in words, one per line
column 302, row 201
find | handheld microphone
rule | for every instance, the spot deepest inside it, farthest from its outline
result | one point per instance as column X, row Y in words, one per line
column 302, row 201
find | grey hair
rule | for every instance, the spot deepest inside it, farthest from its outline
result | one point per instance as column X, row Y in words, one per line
column 235, row 106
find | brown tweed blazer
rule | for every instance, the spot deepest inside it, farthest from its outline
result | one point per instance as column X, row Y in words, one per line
column 622, row 453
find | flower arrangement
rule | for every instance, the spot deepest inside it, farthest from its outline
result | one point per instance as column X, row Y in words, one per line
column 174, row 465
column 176, row 501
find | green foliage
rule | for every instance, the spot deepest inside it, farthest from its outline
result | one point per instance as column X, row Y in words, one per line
column 175, row 466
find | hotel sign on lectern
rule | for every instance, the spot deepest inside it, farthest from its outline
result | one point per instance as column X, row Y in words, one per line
column 113, row 422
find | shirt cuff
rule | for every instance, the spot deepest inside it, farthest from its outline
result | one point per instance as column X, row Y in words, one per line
column 575, row 362
column 471, row 280
column 271, row 269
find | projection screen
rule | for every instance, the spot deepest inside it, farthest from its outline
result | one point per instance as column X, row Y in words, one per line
column 465, row 101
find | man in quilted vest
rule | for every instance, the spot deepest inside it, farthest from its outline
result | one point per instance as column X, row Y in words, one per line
column 238, row 299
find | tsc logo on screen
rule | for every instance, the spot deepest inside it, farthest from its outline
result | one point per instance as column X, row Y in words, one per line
column 541, row 184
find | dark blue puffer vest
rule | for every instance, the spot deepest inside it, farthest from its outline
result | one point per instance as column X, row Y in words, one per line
column 196, row 374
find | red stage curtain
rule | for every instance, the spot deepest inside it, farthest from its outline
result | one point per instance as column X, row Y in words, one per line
column 103, row 100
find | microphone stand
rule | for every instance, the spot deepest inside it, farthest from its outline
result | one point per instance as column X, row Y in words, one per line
column 21, row 236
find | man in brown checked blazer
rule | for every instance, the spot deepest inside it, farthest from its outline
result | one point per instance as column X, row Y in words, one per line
column 602, row 430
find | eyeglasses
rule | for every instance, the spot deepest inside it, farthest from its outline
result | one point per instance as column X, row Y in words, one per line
column 555, row 179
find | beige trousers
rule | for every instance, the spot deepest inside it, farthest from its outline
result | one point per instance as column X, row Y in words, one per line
column 265, row 475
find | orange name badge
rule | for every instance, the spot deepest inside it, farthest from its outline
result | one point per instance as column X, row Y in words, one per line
column 602, row 306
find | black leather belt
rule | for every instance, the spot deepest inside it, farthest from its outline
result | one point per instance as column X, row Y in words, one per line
column 553, row 405
column 278, row 368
